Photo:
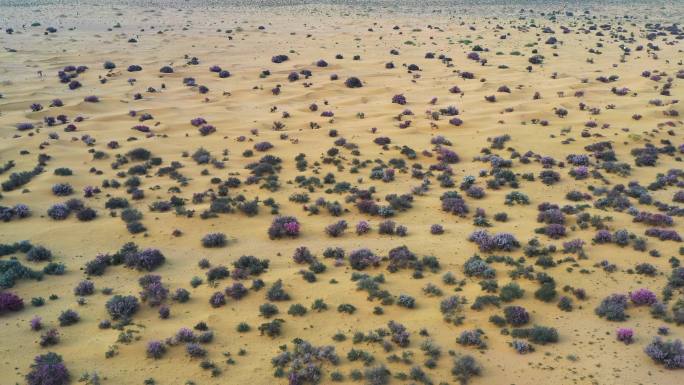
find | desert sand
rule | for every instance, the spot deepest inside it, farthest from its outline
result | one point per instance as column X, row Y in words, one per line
column 530, row 86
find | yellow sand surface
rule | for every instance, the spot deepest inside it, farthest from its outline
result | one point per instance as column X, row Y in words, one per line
column 243, row 109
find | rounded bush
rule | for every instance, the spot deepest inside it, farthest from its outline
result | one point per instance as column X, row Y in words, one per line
column 214, row 240
column 122, row 307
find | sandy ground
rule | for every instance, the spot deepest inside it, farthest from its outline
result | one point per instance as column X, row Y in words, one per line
column 232, row 39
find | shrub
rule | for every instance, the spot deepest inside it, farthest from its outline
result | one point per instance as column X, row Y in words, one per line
column 68, row 318
column 643, row 297
column 303, row 364
column 664, row 234
column 156, row 349
column 39, row 254
column 181, row 295
column 565, row 303
column 476, row 267
column 98, row 265
column 194, row 350
column 400, row 335
column 387, row 227
column 148, row 259
column 334, row 252
column 667, row 353
column 284, row 226
column 122, row 307
column 268, row 310
column 543, row 335
column 510, row 292
column 336, row 229
column 363, row 258
column 613, row 308
column 362, row 227
column 302, row 255
column 243, row 327
column 472, row 338
column 547, row 292
column 36, row 323
column 86, row 214
column 353, row 82
column 378, row 375
column 465, row 367
column 297, row 310
column 62, row 189
column 135, row 227
column 625, row 335
column 498, row 241
column 49, row 338
column 237, row 291
column 251, row 264
column 436, row 229
column 185, row 335
column 217, row 299
column 84, row 288
column 12, row 270
column 271, row 329
column 346, row 308
column 10, row 302
column 399, row 99
column 516, row 315
column 213, row 240
column 406, row 301
column 516, row 197
column 277, row 293
column 48, row 369
column 453, row 203
column 164, row 312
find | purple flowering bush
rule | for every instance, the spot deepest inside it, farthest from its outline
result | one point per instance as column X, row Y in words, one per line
column 155, row 349
column 670, row 354
column 664, row 234
column 625, row 335
column 148, row 259
column 399, row 99
column 363, row 258
column 453, row 203
column 516, row 315
column 284, row 226
column 122, row 307
column 642, row 297
column 362, row 227
column 10, row 302
column 496, row 242
column 48, row 369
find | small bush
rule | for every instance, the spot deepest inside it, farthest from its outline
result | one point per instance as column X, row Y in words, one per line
column 214, row 240
column 68, row 318
column 465, row 367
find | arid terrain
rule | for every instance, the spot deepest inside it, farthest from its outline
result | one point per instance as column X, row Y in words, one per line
column 369, row 193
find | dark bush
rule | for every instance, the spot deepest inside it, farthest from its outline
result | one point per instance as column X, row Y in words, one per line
column 10, row 302
column 68, row 317
column 613, row 308
column 48, row 369
column 465, row 367
column 122, row 307
column 214, row 240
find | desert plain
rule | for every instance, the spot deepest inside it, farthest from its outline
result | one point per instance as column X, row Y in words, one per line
column 428, row 193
